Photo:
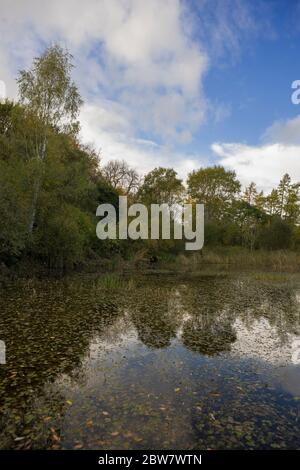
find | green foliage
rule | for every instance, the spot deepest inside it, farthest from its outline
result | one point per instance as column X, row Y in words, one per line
column 107, row 193
column 50, row 185
column 215, row 187
column 15, row 181
column 48, row 93
column 64, row 223
column 250, row 194
column 13, row 209
column 276, row 235
column 161, row 185
column 48, row 90
column 63, row 236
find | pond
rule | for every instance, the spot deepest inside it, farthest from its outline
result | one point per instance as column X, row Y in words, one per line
column 171, row 361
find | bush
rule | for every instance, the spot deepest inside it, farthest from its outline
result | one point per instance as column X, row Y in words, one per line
column 276, row 235
column 63, row 237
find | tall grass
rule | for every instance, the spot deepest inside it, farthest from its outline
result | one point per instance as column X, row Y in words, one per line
column 113, row 281
column 237, row 257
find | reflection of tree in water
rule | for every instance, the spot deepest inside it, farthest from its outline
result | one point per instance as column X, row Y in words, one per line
column 204, row 311
column 155, row 324
column 47, row 330
column 208, row 329
column 215, row 304
column 159, row 314
column 275, row 301
column 154, row 332
column 208, row 338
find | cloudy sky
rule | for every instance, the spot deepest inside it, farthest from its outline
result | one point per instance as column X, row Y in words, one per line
column 181, row 83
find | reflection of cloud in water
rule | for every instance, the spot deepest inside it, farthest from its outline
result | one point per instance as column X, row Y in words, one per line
column 185, row 318
column 297, row 296
column 261, row 340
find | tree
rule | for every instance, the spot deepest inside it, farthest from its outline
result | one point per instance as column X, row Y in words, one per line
column 215, row 187
column 65, row 228
column 272, row 203
column 260, row 201
column 250, row 194
column 14, row 194
column 284, row 201
column 48, row 90
column 276, row 235
column 50, row 95
column 288, row 196
column 291, row 208
column 283, row 193
column 15, row 177
column 65, row 220
column 248, row 219
column 6, row 118
column 120, row 176
column 161, row 185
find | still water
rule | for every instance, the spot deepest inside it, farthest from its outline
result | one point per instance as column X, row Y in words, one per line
column 157, row 362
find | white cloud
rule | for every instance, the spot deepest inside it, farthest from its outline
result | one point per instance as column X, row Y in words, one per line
column 138, row 53
column 117, row 141
column 263, row 164
column 139, row 67
column 287, row 132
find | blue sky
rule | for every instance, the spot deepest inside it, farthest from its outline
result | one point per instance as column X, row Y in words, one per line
column 254, row 82
column 182, row 83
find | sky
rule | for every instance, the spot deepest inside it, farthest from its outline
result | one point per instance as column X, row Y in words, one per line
column 174, row 83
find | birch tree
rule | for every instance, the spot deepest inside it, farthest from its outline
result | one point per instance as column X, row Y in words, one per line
column 49, row 94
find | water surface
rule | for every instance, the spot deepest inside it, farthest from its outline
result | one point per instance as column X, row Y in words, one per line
column 161, row 362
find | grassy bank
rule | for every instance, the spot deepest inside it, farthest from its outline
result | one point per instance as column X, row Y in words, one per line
column 216, row 259
column 241, row 258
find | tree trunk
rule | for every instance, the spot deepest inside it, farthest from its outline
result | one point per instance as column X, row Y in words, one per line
column 37, row 186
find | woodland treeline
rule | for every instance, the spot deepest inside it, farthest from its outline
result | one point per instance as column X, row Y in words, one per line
column 51, row 184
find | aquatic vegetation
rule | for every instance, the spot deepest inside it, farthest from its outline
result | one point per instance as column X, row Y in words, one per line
column 114, row 281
